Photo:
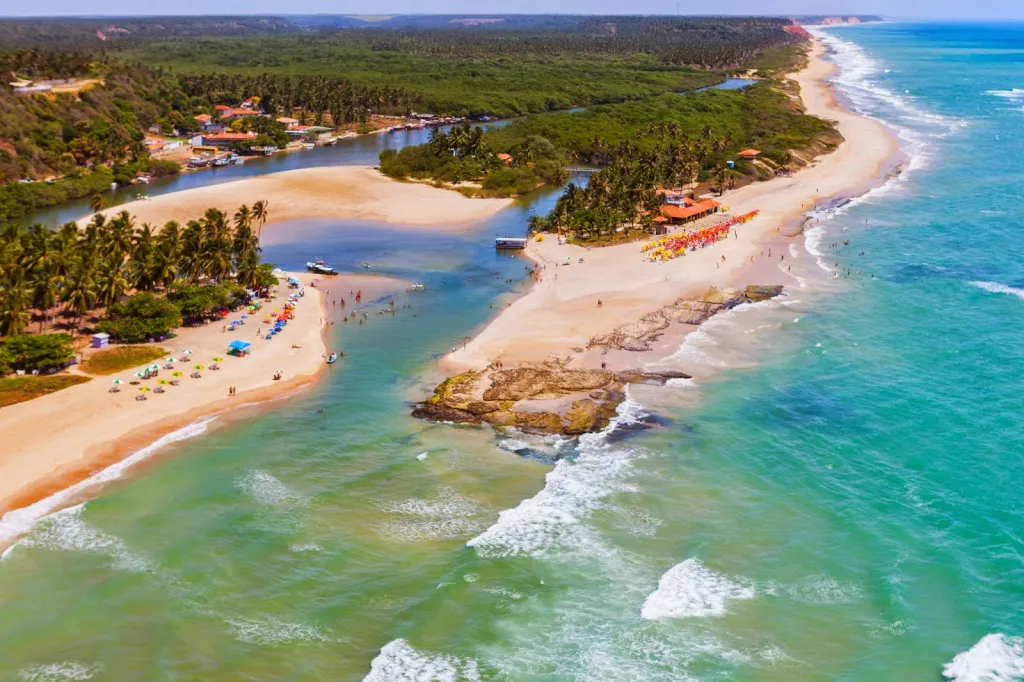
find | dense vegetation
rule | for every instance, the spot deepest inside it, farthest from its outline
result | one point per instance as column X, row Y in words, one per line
column 198, row 268
column 464, row 154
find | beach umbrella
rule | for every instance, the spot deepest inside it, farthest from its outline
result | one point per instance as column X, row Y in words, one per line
column 162, row 382
column 218, row 359
column 175, row 374
column 155, row 367
column 187, row 352
column 245, row 317
column 118, row 382
column 144, row 389
column 198, row 367
column 139, row 375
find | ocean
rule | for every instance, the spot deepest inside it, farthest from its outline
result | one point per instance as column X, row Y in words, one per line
column 836, row 501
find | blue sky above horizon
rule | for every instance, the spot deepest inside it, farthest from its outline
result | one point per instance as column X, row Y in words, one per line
column 923, row 9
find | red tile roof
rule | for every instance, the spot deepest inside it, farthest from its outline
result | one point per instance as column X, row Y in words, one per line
column 204, row 118
column 222, row 107
column 679, row 213
column 749, row 152
column 228, row 137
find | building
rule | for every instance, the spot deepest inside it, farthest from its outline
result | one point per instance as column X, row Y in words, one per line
column 749, row 154
column 288, row 123
column 224, row 140
column 676, row 214
column 232, row 114
column 205, row 122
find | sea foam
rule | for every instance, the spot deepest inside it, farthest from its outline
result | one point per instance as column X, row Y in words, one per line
column 66, row 671
column 271, row 631
column 398, row 661
column 997, row 288
column 573, row 490
column 995, row 658
column 19, row 521
column 691, row 590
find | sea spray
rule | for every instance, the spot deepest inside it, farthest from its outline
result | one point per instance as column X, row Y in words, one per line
column 573, row 490
column 995, row 658
column 19, row 521
column 399, row 661
column 691, row 590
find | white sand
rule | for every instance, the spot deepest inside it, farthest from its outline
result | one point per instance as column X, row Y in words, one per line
column 561, row 312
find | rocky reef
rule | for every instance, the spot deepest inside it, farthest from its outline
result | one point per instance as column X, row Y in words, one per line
column 545, row 398
column 553, row 398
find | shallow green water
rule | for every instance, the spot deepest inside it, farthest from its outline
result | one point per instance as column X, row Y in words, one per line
column 839, row 502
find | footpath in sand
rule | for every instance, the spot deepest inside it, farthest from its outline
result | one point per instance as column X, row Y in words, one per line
column 57, row 440
column 561, row 312
column 344, row 192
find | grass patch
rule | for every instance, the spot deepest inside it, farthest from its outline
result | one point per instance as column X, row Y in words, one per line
column 121, row 358
column 19, row 389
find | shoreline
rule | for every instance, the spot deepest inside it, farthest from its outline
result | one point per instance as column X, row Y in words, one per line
column 80, row 449
column 338, row 192
column 560, row 313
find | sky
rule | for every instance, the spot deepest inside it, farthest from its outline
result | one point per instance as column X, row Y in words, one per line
column 938, row 9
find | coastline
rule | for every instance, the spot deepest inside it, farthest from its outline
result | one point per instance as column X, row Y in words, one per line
column 57, row 442
column 342, row 192
column 560, row 313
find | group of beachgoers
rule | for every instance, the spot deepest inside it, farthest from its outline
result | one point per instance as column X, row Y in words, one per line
column 677, row 245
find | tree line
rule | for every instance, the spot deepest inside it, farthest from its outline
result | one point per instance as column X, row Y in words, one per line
column 74, row 271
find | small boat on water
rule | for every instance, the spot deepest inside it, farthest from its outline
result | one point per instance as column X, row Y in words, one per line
column 366, row 265
column 320, row 267
column 418, row 287
column 332, row 358
column 513, row 243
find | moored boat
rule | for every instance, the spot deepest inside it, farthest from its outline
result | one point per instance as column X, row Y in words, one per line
column 332, row 358
column 320, row 267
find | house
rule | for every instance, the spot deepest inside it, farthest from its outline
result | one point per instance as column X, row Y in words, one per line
column 224, row 140
column 288, row 123
column 205, row 122
column 749, row 154
column 678, row 215
column 231, row 114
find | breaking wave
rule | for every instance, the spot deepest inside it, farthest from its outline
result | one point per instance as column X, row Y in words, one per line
column 691, row 590
column 20, row 521
column 270, row 631
column 997, row 288
column 448, row 515
column 398, row 661
column 573, row 490
column 67, row 671
column 995, row 658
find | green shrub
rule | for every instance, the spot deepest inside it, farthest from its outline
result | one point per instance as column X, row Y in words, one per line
column 142, row 317
column 35, row 351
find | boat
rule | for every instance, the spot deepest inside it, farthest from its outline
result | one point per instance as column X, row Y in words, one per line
column 308, row 145
column 236, row 160
column 332, row 358
column 220, row 161
column 418, row 287
column 366, row 265
column 510, row 243
column 320, row 267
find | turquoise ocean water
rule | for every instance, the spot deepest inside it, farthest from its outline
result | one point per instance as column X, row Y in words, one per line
column 838, row 501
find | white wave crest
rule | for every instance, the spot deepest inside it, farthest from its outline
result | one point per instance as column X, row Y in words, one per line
column 995, row 658
column 997, row 288
column 1015, row 95
column 448, row 515
column 823, row 589
column 66, row 531
column 66, row 671
column 270, row 631
column 19, row 521
column 269, row 491
column 573, row 490
column 691, row 590
column 398, row 661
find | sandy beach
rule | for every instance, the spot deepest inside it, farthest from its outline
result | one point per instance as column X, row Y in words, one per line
column 561, row 312
column 344, row 192
column 58, row 440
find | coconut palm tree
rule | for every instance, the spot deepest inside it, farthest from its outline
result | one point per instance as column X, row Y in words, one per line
column 15, row 298
column 97, row 203
column 260, row 213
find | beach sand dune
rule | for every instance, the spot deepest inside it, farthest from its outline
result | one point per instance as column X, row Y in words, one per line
column 342, row 192
column 561, row 313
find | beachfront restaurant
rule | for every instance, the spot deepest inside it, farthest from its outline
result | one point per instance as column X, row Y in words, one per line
column 675, row 214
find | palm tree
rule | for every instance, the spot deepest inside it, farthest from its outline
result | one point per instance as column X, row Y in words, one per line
column 243, row 216
column 141, row 260
column 260, row 213
column 14, row 307
column 97, row 203
column 111, row 282
column 80, row 293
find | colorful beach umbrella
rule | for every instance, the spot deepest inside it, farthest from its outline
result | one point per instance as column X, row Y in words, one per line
column 155, row 368
column 162, row 382
column 175, row 374
column 198, row 367
column 139, row 375
column 170, row 359
column 187, row 352
column 218, row 359
column 118, row 381
column 144, row 389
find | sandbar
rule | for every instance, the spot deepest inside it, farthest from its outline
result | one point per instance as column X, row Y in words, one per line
column 343, row 192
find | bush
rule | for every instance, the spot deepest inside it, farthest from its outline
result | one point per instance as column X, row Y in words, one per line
column 197, row 303
column 142, row 317
column 509, row 181
column 37, row 351
column 159, row 168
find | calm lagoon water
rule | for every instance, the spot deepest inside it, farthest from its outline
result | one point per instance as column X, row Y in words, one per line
column 840, row 502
